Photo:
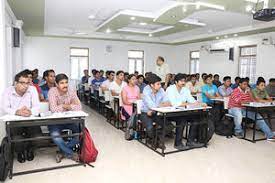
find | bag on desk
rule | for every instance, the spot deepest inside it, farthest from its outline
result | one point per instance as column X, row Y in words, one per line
column 88, row 151
column 4, row 159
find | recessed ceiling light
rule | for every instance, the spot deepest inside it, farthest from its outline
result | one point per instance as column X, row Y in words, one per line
column 108, row 31
column 198, row 6
column 248, row 8
column 226, row 36
column 142, row 23
column 91, row 17
column 173, row 16
column 217, row 37
column 133, row 18
column 150, row 35
column 184, row 9
column 235, row 35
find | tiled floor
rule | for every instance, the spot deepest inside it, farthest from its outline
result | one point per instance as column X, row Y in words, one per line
column 120, row 161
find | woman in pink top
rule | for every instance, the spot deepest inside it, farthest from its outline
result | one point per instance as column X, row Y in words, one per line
column 129, row 95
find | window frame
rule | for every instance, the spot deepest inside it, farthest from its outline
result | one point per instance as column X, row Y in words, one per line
column 137, row 58
column 88, row 56
column 192, row 59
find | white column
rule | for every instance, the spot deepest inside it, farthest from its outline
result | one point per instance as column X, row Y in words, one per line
column 3, row 83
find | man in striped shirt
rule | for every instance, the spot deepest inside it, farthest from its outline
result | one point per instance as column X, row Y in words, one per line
column 62, row 99
column 240, row 96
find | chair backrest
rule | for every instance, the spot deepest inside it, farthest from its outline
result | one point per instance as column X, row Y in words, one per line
column 100, row 92
column 139, row 104
column 107, row 95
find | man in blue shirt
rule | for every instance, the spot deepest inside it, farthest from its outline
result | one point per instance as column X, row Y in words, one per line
column 180, row 96
column 236, row 84
column 153, row 97
column 49, row 76
column 209, row 91
column 97, row 81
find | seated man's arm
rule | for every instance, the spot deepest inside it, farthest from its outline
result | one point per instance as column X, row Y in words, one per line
column 35, row 102
column 6, row 104
column 75, row 103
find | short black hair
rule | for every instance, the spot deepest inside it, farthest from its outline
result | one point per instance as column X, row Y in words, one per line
column 260, row 81
column 216, row 75
column 60, row 77
column 130, row 76
column 244, row 80
column 111, row 72
column 193, row 75
column 27, row 71
column 207, row 76
column 101, row 71
column 226, row 78
column 119, row 72
column 153, row 78
column 47, row 72
column 179, row 77
column 140, row 76
column 96, row 72
column 237, row 78
column 272, row 80
column 161, row 58
column 247, row 78
column 19, row 75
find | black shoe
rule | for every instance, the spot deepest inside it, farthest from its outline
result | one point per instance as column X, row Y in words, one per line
column 30, row 155
column 194, row 144
column 181, row 147
column 21, row 157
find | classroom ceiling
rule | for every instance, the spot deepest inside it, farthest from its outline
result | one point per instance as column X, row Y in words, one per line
column 160, row 21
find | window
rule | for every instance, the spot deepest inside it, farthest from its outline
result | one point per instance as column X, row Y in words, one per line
column 248, row 62
column 194, row 62
column 79, row 61
column 136, row 61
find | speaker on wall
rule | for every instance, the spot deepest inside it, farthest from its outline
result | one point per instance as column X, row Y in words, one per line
column 16, row 37
column 231, row 54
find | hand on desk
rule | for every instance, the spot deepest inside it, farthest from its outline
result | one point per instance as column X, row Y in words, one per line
column 165, row 104
column 24, row 111
column 67, row 107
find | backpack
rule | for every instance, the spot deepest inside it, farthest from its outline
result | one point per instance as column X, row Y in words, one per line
column 129, row 132
column 4, row 159
column 225, row 127
column 88, row 152
column 206, row 131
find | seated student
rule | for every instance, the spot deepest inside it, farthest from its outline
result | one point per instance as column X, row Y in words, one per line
column 22, row 100
column 49, row 76
column 225, row 90
column 62, row 99
column 168, row 81
column 105, row 86
column 216, row 80
column 242, row 95
column 209, row 91
column 180, row 96
column 153, row 96
column 116, row 87
column 193, row 85
column 35, row 77
column 270, row 88
column 198, row 77
column 259, row 93
column 85, row 78
column 126, row 74
column 140, row 83
column 97, row 81
column 237, row 82
column 136, row 73
column 146, row 76
column 101, row 74
column 130, row 93
column 201, row 82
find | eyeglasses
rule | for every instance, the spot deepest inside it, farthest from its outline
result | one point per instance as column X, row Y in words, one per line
column 24, row 83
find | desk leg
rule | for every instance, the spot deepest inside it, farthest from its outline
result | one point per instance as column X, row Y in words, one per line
column 245, row 122
column 163, row 135
column 254, row 125
column 8, row 130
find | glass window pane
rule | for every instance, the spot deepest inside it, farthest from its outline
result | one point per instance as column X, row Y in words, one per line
column 135, row 54
column 74, row 68
column 195, row 54
column 131, row 66
column 139, row 66
column 79, row 51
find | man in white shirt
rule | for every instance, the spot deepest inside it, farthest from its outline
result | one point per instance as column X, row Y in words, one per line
column 180, row 96
column 162, row 69
column 110, row 78
column 117, row 85
column 22, row 100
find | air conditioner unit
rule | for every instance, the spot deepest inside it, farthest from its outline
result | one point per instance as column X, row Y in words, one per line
column 218, row 49
column 268, row 41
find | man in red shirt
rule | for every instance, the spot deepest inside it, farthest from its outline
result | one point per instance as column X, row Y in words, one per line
column 62, row 99
column 240, row 96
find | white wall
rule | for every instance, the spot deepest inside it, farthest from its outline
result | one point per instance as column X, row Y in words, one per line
column 45, row 53
column 219, row 62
